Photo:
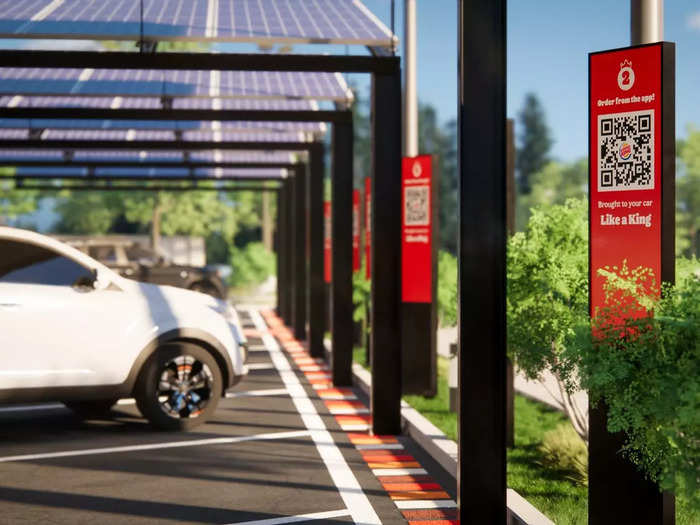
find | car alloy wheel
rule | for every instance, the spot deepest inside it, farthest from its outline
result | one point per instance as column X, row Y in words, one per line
column 185, row 387
column 179, row 386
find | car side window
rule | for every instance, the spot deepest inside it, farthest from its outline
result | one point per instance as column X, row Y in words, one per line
column 27, row 263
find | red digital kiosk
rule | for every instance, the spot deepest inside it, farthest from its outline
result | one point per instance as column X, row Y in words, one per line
column 418, row 275
column 631, row 221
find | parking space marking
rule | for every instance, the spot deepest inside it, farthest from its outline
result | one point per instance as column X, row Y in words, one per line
column 260, row 366
column 156, row 446
column 301, row 517
column 350, row 489
column 258, row 393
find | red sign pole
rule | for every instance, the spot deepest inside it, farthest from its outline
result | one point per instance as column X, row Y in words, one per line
column 356, row 231
column 419, row 319
column 631, row 221
column 327, row 241
column 417, row 234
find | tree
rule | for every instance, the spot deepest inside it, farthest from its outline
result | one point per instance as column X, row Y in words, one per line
column 535, row 142
column 688, row 195
column 14, row 202
column 555, row 183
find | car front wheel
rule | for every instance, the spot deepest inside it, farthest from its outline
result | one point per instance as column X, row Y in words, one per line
column 179, row 387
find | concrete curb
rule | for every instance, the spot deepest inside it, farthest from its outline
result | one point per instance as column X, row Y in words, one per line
column 444, row 450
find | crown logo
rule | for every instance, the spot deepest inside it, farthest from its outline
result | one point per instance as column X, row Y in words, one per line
column 625, row 62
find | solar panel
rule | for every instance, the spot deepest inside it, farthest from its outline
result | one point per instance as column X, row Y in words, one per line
column 154, row 103
column 173, row 83
column 132, row 135
column 258, row 21
column 60, row 171
column 8, row 157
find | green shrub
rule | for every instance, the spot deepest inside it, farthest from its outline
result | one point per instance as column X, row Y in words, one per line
column 563, row 450
column 647, row 370
column 361, row 290
column 447, row 289
column 251, row 264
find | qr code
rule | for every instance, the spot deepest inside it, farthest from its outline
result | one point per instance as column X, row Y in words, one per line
column 626, row 151
column 417, row 206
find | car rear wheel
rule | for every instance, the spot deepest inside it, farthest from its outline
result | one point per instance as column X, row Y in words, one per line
column 91, row 409
column 208, row 288
column 179, row 387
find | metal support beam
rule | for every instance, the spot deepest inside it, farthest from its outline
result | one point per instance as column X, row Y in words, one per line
column 98, row 187
column 253, row 115
column 298, row 203
column 317, row 286
column 341, row 238
column 159, row 145
column 198, row 61
column 386, row 254
column 482, row 251
column 96, row 164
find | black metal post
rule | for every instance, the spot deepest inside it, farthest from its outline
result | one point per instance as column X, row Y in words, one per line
column 317, row 287
column 341, row 239
column 298, row 203
column 386, row 253
column 283, row 254
column 482, row 250
column 290, row 250
column 278, row 249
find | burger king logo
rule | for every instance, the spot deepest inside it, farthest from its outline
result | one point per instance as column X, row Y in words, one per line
column 625, row 150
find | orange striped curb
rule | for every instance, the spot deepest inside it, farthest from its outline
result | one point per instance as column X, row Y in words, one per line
column 383, row 454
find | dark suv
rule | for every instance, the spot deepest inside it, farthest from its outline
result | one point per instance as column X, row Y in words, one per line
column 130, row 259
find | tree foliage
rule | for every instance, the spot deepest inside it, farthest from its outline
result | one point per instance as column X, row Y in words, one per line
column 688, row 195
column 13, row 202
column 647, row 370
column 535, row 142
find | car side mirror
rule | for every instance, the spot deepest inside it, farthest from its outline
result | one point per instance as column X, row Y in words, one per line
column 97, row 283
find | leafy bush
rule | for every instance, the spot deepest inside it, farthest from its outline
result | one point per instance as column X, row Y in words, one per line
column 563, row 450
column 447, row 289
column 361, row 290
column 251, row 264
column 647, row 370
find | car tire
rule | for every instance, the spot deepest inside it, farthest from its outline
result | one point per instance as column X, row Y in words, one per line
column 179, row 387
column 207, row 287
column 91, row 409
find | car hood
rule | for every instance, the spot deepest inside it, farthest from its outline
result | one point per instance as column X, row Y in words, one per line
column 173, row 297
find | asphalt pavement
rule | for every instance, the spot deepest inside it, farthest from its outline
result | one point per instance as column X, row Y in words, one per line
column 272, row 454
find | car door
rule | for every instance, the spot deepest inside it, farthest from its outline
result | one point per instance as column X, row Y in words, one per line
column 56, row 329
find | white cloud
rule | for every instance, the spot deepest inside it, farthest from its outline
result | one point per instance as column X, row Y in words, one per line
column 693, row 21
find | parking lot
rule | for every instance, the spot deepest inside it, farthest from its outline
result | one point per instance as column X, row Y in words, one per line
column 272, row 454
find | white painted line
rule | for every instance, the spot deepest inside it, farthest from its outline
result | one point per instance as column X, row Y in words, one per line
column 157, row 446
column 127, row 401
column 322, row 386
column 398, row 471
column 47, row 406
column 296, row 519
column 426, row 504
column 338, row 397
column 384, row 446
column 257, row 348
column 260, row 366
column 348, row 411
column 350, row 489
column 258, row 393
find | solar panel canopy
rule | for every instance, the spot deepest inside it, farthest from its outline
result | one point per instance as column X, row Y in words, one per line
column 150, row 173
column 169, row 83
column 257, row 21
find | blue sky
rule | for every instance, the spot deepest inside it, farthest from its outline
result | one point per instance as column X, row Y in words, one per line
column 548, row 46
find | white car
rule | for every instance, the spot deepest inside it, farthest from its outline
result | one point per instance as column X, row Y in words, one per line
column 73, row 330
